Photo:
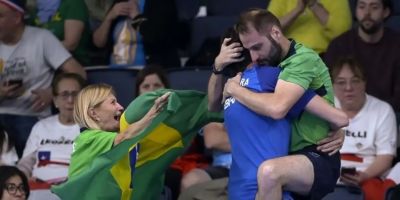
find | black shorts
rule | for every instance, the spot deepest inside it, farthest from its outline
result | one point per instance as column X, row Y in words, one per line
column 217, row 172
column 326, row 172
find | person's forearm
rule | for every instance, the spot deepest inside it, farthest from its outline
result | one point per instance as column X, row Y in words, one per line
column 319, row 107
column 100, row 35
column 26, row 164
column 132, row 130
column 72, row 66
column 137, row 127
column 320, row 13
column 381, row 164
column 215, row 88
column 73, row 30
column 262, row 103
column 275, row 105
column 288, row 19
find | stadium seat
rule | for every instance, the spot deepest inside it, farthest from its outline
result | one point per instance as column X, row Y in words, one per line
column 393, row 193
column 187, row 10
column 394, row 22
column 396, row 7
column 203, row 28
column 122, row 79
column 189, row 78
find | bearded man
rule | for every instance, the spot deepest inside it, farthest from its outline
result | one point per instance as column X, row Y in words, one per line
column 374, row 46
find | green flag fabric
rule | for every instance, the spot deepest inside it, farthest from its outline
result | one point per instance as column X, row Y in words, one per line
column 160, row 144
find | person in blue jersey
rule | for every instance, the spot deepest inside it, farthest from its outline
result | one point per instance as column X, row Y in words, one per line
column 255, row 138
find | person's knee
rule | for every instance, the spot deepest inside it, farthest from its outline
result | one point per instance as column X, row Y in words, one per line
column 269, row 174
column 192, row 178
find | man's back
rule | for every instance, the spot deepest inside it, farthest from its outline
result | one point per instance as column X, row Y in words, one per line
column 303, row 67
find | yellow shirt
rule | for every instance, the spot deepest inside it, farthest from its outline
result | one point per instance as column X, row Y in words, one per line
column 307, row 29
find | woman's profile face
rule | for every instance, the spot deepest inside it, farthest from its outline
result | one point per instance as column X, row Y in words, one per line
column 108, row 113
column 150, row 83
column 14, row 189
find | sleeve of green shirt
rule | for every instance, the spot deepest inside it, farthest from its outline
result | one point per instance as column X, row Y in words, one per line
column 87, row 146
column 77, row 10
column 300, row 70
column 98, row 141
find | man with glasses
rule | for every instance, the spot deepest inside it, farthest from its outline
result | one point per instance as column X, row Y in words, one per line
column 29, row 57
column 375, row 47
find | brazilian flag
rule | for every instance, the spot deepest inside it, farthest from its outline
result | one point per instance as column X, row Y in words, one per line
column 161, row 143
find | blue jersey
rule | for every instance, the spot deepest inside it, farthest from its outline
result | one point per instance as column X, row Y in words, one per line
column 255, row 138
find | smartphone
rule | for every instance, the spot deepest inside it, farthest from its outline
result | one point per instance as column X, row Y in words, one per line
column 348, row 170
column 14, row 82
column 19, row 82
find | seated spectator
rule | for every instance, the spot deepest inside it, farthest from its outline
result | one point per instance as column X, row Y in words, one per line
column 370, row 143
column 29, row 57
column 48, row 150
column 215, row 139
column 8, row 156
column 13, row 184
column 139, row 33
column 374, row 46
column 150, row 78
column 313, row 23
column 67, row 20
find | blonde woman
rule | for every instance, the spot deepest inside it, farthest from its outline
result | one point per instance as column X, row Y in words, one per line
column 97, row 112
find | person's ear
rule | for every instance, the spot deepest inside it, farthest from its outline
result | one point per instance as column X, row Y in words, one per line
column 92, row 113
column 276, row 32
column 55, row 100
column 386, row 12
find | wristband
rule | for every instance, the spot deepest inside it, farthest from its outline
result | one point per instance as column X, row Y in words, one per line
column 215, row 71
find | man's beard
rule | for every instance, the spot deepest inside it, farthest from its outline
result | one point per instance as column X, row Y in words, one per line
column 274, row 56
column 374, row 28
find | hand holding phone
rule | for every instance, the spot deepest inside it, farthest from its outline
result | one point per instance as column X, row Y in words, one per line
column 348, row 170
column 11, row 88
column 15, row 82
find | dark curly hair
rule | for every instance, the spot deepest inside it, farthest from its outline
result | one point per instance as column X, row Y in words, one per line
column 6, row 172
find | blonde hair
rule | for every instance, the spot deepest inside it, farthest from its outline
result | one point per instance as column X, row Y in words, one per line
column 90, row 97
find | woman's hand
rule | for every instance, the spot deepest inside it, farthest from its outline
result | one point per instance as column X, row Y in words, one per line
column 137, row 127
column 41, row 99
column 10, row 91
column 120, row 9
column 228, row 54
column 354, row 179
column 157, row 107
